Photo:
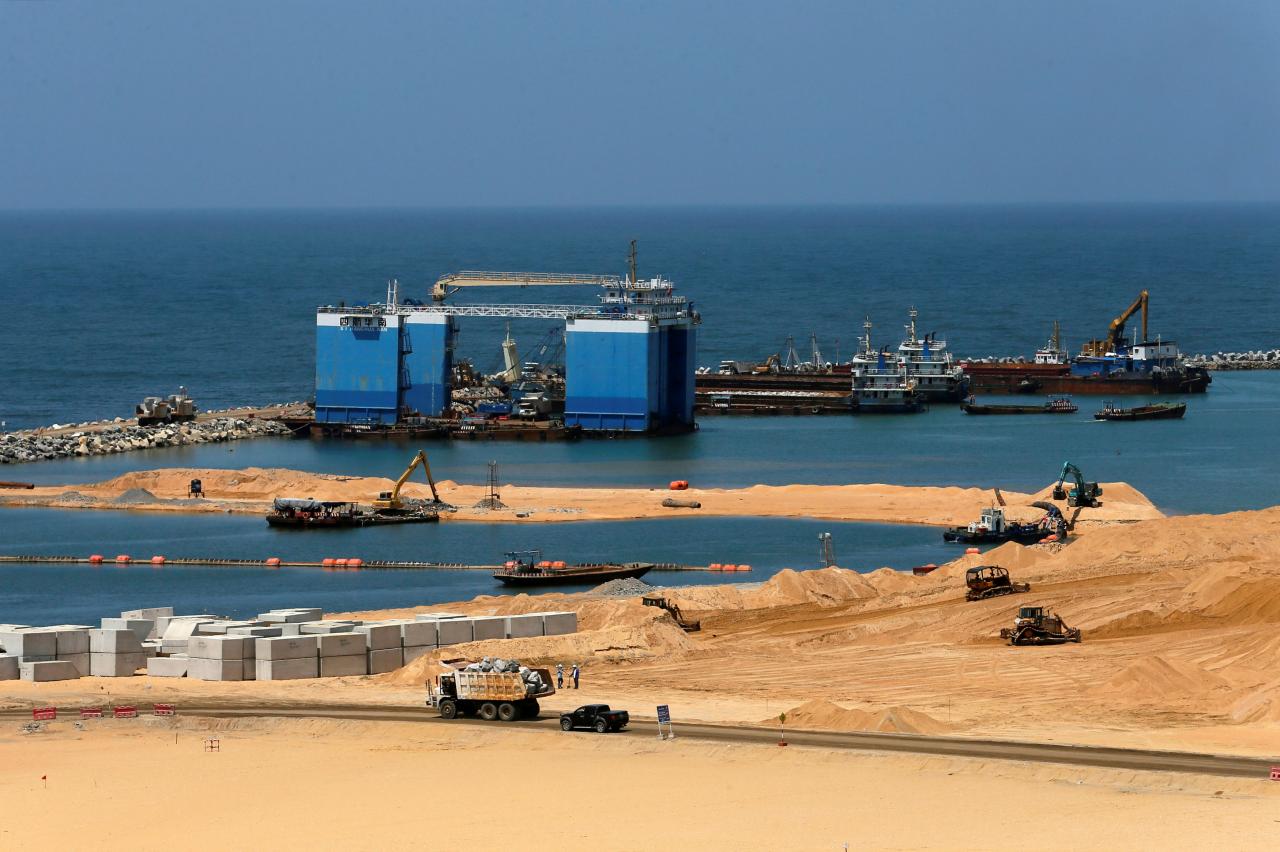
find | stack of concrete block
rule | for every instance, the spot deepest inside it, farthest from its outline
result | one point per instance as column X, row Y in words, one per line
column 489, row 627
column 176, row 630
column 72, row 644
column 9, row 666
column 559, row 623
column 154, row 614
column 32, row 644
column 385, row 654
column 173, row 666
column 265, row 631
column 164, row 621
column 291, row 616
column 418, row 638
column 222, row 626
column 115, row 653
column 343, row 654
column 332, row 626
column 287, row 657
column 221, row 657
column 142, row 627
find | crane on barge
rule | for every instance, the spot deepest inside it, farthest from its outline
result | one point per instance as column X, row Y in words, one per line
column 1115, row 334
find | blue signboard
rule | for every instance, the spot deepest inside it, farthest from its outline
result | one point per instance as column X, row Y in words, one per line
column 664, row 714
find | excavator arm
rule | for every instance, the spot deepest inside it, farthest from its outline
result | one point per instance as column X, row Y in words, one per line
column 391, row 499
column 454, row 281
column 1116, row 333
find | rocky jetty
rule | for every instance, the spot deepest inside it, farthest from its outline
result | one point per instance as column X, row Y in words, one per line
column 19, row 447
column 1256, row 360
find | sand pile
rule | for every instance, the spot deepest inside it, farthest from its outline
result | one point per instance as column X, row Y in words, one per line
column 1156, row 679
column 1261, row 705
column 820, row 714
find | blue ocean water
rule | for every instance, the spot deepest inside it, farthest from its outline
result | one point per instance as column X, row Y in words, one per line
column 106, row 308
column 61, row 594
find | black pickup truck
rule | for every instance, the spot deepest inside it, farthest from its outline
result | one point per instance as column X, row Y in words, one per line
column 597, row 717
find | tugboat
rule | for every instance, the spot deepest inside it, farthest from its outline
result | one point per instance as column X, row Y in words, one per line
column 992, row 527
column 1159, row 411
column 880, row 384
column 928, row 363
column 528, row 568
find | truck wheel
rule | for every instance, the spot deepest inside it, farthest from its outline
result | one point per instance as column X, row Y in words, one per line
column 602, row 726
column 532, row 709
column 566, row 724
column 488, row 711
column 448, row 709
column 507, row 712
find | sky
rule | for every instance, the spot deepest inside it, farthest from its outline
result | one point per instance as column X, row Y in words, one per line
column 127, row 104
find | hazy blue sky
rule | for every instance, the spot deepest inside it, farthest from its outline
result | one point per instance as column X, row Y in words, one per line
column 259, row 104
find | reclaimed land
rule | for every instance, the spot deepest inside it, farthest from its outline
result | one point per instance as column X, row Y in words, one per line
column 251, row 490
column 1181, row 647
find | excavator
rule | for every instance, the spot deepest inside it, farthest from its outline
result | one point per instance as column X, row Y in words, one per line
column 1084, row 494
column 390, row 502
column 1115, row 334
column 688, row 625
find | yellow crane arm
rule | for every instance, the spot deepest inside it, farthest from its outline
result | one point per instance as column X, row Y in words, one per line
column 454, row 281
column 419, row 459
column 1117, row 324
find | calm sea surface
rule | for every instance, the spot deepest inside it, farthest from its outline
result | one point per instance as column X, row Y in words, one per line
column 107, row 308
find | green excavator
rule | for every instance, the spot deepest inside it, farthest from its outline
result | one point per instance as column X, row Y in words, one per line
column 1084, row 494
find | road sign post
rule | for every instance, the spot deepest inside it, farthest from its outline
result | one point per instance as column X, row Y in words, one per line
column 664, row 718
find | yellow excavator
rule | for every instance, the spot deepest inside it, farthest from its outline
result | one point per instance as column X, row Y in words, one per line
column 389, row 502
column 1115, row 334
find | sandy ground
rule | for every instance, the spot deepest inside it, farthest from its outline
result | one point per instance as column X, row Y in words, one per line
column 252, row 489
column 149, row 784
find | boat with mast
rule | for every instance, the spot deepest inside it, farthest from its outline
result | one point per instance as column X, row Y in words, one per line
column 880, row 381
column 926, row 361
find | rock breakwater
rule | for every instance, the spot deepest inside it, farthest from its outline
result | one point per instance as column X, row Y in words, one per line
column 1256, row 360
column 17, row 448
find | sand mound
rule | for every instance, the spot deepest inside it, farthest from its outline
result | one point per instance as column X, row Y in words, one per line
column 820, row 714
column 825, row 586
column 1156, row 678
column 1262, row 705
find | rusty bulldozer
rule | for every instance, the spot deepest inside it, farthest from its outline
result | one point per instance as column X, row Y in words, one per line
column 1037, row 625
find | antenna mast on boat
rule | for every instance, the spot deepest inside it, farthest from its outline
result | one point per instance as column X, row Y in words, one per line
column 911, row 326
column 631, row 263
column 792, row 360
column 815, row 353
column 393, row 292
column 866, row 339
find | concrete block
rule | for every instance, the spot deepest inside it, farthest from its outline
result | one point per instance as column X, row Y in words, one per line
column 164, row 622
column 9, row 666
column 173, row 646
column 489, row 627
column 291, row 616
column 116, row 665
column 10, row 628
column 559, row 623
column 142, row 627
column 151, row 649
column 290, row 629
column 413, row 652
column 29, row 643
column 385, row 660
column 152, row 612
column 265, row 630
column 217, row 628
column 167, row 666
column 294, row 669
column 381, row 636
column 69, row 638
column 345, row 666
column 221, row 648
column 437, row 616
column 203, row 668
column 286, row 648
column 41, row 672
column 523, row 626
column 317, row 627
column 105, row 641
column 250, row 670
column 419, row 633
column 342, row 644
column 454, row 630
column 80, row 661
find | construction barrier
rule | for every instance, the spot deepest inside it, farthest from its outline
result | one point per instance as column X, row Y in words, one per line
column 164, row 710
column 1275, row 773
column 44, row 714
column 91, row 713
column 125, row 711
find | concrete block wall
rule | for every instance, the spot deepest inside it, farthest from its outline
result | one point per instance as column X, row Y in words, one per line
column 9, row 666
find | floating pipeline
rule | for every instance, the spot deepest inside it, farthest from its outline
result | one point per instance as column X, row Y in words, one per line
column 327, row 564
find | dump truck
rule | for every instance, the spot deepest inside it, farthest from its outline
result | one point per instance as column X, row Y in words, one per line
column 989, row 581
column 505, row 695
column 1037, row 625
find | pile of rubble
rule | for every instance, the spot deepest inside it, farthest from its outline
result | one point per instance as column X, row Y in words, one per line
column 626, row 587
column 1256, row 360
column 18, row 447
column 533, row 680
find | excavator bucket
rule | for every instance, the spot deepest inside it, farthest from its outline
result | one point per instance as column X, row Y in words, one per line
column 1059, row 493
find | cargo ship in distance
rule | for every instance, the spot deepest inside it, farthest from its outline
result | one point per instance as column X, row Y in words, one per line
column 1111, row 366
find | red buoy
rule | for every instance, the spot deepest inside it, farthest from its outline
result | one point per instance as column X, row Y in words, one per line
column 157, row 560
column 123, row 558
column 273, row 562
column 354, row 562
column 96, row 558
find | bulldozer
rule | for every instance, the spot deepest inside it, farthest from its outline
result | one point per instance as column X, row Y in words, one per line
column 1084, row 494
column 391, row 503
column 989, row 581
column 1037, row 625
column 686, row 624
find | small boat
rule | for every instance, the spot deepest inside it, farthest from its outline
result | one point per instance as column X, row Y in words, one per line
column 527, row 568
column 1159, row 411
column 1056, row 405
column 993, row 528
